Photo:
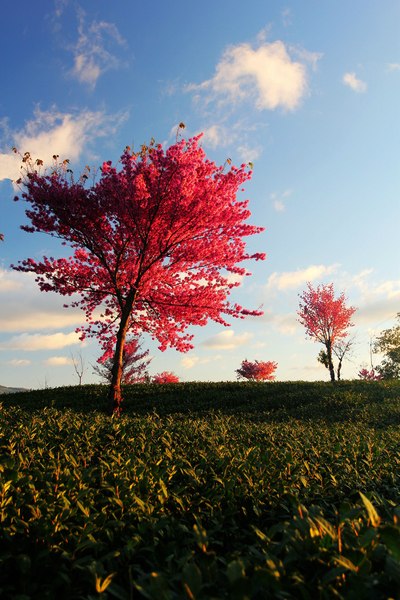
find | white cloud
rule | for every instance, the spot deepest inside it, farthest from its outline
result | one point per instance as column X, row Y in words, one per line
column 92, row 53
column 190, row 361
column 215, row 135
column 379, row 301
column 279, row 206
column 393, row 67
column 238, row 135
column 31, row 342
column 38, row 311
column 9, row 281
column 53, row 132
column 279, row 200
column 266, row 75
column 249, row 153
column 228, row 340
column 357, row 85
column 286, row 323
column 58, row 361
column 294, row 279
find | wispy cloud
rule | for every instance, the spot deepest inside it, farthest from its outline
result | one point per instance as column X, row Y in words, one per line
column 227, row 340
column 54, row 132
column 58, row 361
column 232, row 134
column 352, row 81
column 393, row 67
column 294, row 279
column 378, row 302
column 192, row 360
column 19, row 362
column 279, row 200
column 286, row 324
column 286, row 15
column 266, row 76
column 94, row 51
column 31, row 342
column 38, row 311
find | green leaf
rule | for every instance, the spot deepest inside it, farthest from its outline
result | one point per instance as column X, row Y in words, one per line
column 345, row 563
column 391, row 537
column 372, row 513
column 392, row 568
column 235, row 571
column 192, row 578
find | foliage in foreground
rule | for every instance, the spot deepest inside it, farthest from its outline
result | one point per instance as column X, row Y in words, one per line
column 280, row 490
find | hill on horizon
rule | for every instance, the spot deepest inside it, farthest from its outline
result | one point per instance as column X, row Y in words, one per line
column 11, row 390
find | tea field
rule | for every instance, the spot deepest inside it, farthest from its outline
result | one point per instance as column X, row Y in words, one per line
column 202, row 491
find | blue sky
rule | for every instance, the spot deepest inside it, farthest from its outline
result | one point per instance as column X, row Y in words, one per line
column 308, row 91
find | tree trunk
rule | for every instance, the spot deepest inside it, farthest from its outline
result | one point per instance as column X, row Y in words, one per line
column 339, row 369
column 114, row 394
column 330, row 362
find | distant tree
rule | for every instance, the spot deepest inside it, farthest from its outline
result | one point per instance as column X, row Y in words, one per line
column 388, row 343
column 79, row 365
column 165, row 377
column 154, row 242
column 326, row 319
column 257, row 370
column 369, row 375
column 134, row 363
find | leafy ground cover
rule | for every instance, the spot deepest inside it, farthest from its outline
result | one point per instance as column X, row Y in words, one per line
column 201, row 491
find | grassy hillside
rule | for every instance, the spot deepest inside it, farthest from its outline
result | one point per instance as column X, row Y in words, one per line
column 279, row 490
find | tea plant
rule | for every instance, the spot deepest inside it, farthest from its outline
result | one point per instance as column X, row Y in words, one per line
column 278, row 490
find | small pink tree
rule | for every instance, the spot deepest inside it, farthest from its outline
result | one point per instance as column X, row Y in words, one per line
column 257, row 370
column 369, row 375
column 325, row 318
column 166, row 377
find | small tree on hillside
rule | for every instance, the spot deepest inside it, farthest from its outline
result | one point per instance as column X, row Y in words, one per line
column 165, row 377
column 369, row 375
column 257, row 370
column 134, row 364
column 155, row 244
column 79, row 365
column 388, row 343
column 326, row 319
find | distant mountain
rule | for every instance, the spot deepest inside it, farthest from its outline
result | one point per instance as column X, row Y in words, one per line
column 10, row 390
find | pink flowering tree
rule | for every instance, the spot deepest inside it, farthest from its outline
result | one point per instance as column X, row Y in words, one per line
column 155, row 241
column 165, row 377
column 257, row 370
column 369, row 375
column 325, row 318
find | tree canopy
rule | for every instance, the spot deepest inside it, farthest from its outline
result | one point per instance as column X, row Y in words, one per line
column 388, row 343
column 155, row 243
column 325, row 318
column 257, row 370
